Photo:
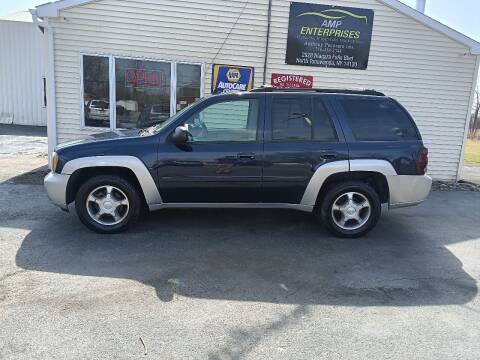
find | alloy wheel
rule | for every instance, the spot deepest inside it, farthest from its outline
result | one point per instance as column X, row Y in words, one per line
column 351, row 210
column 107, row 205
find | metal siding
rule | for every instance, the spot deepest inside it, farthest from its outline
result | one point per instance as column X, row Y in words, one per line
column 431, row 74
column 21, row 73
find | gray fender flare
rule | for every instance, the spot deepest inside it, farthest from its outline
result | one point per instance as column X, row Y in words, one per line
column 149, row 188
column 324, row 171
column 321, row 174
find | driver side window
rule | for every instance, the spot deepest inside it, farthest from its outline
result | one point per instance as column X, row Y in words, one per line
column 229, row 121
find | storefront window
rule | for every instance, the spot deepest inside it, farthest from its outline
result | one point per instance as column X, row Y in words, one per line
column 188, row 84
column 142, row 93
column 96, row 92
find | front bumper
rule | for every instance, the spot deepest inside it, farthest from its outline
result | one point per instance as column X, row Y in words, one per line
column 56, row 187
column 408, row 190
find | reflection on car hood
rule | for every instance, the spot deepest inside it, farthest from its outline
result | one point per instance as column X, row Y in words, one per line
column 110, row 135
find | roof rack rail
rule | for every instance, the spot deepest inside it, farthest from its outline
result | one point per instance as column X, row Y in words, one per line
column 268, row 88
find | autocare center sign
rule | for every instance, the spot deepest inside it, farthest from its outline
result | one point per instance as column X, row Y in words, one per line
column 292, row 81
column 230, row 78
column 329, row 36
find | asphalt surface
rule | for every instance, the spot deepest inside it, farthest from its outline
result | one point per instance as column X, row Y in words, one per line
column 231, row 284
column 239, row 284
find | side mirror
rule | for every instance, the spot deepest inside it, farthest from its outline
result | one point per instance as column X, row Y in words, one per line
column 180, row 135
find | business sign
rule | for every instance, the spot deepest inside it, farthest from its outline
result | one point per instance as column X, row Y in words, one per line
column 230, row 78
column 329, row 36
column 292, row 81
column 140, row 78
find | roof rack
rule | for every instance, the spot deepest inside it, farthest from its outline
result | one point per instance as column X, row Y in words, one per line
column 269, row 88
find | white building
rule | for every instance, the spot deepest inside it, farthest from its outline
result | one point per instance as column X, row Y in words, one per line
column 22, row 80
column 100, row 51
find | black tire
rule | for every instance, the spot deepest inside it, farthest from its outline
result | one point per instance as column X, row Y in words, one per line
column 129, row 190
column 335, row 192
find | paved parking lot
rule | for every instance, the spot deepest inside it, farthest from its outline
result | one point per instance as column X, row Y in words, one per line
column 239, row 284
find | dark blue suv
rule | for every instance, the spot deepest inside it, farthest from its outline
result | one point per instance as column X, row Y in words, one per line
column 338, row 154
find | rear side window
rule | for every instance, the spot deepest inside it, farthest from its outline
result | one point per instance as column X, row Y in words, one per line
column 294, row 119
column 291, row 118
column 378, row 120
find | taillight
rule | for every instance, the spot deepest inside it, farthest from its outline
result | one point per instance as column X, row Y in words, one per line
column 422, row 161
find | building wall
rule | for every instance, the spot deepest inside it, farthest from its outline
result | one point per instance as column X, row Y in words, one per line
column 21, row 74
column 429, row 73
column 189, row 30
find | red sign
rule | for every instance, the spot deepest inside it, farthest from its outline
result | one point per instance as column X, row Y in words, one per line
column 292, row 81
column 140, row 78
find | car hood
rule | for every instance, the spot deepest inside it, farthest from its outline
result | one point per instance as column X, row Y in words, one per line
column 110, row 135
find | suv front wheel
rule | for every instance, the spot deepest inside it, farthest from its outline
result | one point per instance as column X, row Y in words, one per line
column 107, row 204
column 350, row 209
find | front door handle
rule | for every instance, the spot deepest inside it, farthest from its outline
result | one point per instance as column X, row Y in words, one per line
column 329, row 156
column 246, row 156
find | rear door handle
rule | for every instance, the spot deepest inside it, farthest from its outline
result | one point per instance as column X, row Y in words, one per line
column 246, row 156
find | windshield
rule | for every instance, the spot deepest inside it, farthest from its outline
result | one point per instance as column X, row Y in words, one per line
column 156, row 128
column 100, row 104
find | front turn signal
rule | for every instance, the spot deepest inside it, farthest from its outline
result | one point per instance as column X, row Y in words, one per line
column 54, row 162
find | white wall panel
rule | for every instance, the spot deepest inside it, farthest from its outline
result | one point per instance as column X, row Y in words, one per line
column 21, row 74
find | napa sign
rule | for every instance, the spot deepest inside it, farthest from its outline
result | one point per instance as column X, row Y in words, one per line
column 231, row 78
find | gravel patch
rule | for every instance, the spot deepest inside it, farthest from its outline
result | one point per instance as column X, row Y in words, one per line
column 461, row 185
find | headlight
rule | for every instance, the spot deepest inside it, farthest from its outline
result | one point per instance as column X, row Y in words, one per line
column 54, row 162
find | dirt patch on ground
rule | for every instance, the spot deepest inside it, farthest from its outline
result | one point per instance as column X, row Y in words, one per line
column 33, row 177
column 23, row 169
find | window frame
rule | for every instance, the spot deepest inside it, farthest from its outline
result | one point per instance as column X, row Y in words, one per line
column 260, row 120
column 82, row 98
column 112, row 85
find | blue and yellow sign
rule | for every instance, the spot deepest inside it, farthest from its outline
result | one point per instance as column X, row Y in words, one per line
column 230, row 78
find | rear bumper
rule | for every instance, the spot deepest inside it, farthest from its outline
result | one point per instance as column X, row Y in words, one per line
column 56, row 187
column 408, row 190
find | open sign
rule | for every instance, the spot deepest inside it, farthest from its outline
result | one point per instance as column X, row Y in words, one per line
column 140, row 78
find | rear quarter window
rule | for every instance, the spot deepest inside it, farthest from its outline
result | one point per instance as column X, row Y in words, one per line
column 379, row 119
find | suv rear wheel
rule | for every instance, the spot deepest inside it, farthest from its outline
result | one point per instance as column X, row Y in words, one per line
column 350, row 209
column 107, row 204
